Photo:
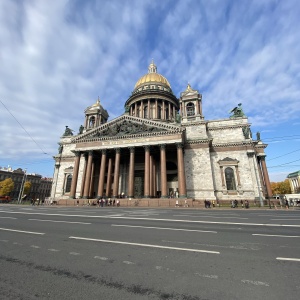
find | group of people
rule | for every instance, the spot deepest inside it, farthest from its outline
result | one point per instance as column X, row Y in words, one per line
column 103, row 202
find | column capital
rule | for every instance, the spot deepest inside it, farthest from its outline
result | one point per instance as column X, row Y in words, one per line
column 179, row 145
column 147, row 147
column 162, row 146
column 131, row 149
column 118, row 150
column 90, row 152
column 77, row 153
column 103, row 151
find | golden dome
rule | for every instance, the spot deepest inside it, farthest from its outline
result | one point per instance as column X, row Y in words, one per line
column 152, row 77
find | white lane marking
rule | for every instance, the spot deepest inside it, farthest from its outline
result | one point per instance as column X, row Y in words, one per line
column 101, row 257
column 74, row 253
column 285, row 236
column 8, row 218
column 255, row 282
column 16, row 243
column 163, row 228
column 53, row 221
column 207, row 276
column 4, row 241
column 285, row 219
column 128, row 262
column 163, row 220
column 158, row 267
column 213, row 217
column 288, row 258
column 22, row 231
column 53, row 250
column 143, row 245
column 34, row 246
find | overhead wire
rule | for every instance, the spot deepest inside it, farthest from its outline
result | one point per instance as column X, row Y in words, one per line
column 24, row 129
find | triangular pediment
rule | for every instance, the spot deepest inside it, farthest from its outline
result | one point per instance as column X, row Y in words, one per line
column 128, row 126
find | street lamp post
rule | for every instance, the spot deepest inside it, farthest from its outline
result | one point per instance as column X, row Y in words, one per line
column 22, row 187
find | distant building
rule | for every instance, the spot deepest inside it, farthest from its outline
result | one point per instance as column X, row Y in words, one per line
column 40, row 187
column 294, row 179
column 161, row 147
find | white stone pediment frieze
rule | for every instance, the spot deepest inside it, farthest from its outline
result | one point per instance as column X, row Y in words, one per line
column 127, row 126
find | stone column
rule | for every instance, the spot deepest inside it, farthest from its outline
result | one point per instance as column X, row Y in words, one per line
column 154, row 179
column 222, row 176
column 174, row 113
column 83, row 175
column 148, row 108
column 142, row 109
column 108, row 183
column 261, row 177
column 147, row 172
column 116, row 173
column 102, row 174
column 156, row 109
column 88, row 175
column 169, row 107
column 266, row 176
column 163, row 116
column 135, row 109
column 92, row 181
column 131, row 174
column 75, row 175
column 163, row 171
column 181, row 172
column 151, row 176
column 238, row 175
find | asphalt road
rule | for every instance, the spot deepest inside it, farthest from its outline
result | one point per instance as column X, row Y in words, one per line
column 134, row 253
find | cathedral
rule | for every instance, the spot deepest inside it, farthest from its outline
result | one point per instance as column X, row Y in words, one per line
column 161, row 147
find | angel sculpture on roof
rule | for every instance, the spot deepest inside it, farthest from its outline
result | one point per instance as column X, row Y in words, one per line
column 237, row 112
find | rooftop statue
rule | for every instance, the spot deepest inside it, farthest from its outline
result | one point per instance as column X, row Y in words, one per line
column 68, row 131
column 81, row 129
column 237, row 112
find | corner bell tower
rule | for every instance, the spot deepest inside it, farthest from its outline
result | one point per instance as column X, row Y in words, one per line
column 95, row 115
column 190, row 105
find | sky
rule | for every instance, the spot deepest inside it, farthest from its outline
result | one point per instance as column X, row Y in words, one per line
column 57, row 57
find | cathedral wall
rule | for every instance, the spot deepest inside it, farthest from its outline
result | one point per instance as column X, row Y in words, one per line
column 199, row 179
column 196, row 131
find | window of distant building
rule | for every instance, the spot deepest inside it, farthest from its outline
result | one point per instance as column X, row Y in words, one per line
column 92, row 121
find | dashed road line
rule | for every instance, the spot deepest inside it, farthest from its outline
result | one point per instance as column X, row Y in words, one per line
column 35, row 247
column 277, row 235
column 143, row 245
column 74, row 253
column 54, row 221
column 207, row 276
column 101, row 257
column 22, row 231
column 163, row 228
column 53, row 250
column 8, row 218
column 260, row 283
column 128, row 262
column 288, row 259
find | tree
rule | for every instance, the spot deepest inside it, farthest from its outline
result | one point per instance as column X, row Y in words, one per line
column 6, row 186
column 27, row 187
column 282, row 187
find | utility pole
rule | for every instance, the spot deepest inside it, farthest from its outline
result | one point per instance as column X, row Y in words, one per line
column 22, row 187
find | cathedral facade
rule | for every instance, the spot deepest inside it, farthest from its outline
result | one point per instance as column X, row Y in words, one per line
column 161, row 147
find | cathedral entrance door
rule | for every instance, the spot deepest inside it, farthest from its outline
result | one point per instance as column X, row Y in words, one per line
column 138, row 187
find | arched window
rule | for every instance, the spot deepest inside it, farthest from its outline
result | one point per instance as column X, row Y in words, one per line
column 230, row 181
column 190, row 109
column 68, row 184
column 146, row 112
column 92, row 121
column 158, row 112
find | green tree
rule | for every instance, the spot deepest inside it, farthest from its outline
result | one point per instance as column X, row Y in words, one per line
column 6, row 186
column 27, row 187
column 282, row 187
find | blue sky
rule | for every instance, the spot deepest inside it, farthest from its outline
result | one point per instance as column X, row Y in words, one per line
column 57, row 57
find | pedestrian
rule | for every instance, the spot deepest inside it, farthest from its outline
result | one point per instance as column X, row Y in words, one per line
column 186, row 203
column 177, row 203
column 287, row 206
column 213, row 203
column 242, row 203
